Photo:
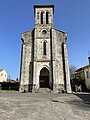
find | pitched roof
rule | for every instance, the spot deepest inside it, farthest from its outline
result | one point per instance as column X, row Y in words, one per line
column 83, row 68
column 1, row 70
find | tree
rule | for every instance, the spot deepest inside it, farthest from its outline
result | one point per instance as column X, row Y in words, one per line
column 72, row 70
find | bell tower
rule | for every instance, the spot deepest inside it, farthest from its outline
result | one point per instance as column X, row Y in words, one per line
column 42, row 44
column 44, row 15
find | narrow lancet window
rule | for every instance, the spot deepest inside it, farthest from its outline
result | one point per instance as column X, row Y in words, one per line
column 44, row 48
column 41, row 17
column 47, row 21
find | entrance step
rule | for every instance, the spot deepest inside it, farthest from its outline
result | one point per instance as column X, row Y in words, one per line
column 44, row 90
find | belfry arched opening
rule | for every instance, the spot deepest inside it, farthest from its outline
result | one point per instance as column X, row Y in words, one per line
column 44, row 78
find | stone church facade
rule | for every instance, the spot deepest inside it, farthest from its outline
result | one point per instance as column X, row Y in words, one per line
column 44, row 57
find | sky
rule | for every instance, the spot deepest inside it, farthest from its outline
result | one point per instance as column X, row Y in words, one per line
column 17, row 16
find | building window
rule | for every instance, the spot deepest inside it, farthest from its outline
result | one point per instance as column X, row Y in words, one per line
column 41, row 17
column 44, row 32
column 87, row 74
column 47, row 18
column 44, row 48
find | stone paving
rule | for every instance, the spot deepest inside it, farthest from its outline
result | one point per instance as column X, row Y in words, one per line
column 47, row 106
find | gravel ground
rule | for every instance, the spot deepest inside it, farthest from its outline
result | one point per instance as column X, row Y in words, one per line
column 47, row 106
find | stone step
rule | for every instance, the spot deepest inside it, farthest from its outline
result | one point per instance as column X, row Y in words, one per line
column 44, row 90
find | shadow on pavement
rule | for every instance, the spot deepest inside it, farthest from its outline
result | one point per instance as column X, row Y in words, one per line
column 85, row 97
column 82, row 103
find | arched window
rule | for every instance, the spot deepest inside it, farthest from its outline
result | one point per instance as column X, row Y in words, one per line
column 41, row 17
column 47, row 20
column 44, row 48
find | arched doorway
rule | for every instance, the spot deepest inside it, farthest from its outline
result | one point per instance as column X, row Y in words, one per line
column 44, row 78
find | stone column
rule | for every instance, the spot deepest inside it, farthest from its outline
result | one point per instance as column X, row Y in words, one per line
column 68, row 86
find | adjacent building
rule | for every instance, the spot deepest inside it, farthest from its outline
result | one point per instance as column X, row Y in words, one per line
column 44, row 56
column 3, row 75
column 83, row 74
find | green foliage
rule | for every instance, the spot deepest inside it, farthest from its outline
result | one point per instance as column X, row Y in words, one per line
column 7, row 90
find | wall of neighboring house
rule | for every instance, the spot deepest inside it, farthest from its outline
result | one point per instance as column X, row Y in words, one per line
column 87, row 77
column 80, row 75
column 3, row 76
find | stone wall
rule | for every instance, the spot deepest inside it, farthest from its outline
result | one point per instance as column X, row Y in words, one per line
column 25, row 60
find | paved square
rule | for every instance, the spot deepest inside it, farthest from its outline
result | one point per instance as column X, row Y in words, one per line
column 47, row 106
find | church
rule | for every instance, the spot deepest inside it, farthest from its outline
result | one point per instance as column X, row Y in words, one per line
column 44, row 56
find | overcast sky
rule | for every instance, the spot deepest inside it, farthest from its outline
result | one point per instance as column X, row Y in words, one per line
column 16, row 16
